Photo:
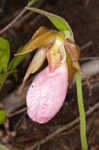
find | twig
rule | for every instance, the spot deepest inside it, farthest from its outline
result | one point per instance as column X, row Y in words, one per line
column 12, row 114
column 89, row 58
column 19, row 16
column 12, row 22
column 28, row 14
column 86, row 45
column 65, row 127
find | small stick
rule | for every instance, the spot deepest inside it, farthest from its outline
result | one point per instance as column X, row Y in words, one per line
column 19, row 16
column 17, row 112
column 86, row 45
column 12, row 22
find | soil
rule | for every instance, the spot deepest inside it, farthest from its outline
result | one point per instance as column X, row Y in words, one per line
column 19, row 131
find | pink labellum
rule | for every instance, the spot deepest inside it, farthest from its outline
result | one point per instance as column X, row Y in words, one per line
column 47, row 93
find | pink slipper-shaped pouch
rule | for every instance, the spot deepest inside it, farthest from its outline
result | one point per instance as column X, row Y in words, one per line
column 47, row 93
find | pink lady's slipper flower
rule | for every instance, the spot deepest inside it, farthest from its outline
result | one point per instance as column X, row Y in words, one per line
column 47, row 92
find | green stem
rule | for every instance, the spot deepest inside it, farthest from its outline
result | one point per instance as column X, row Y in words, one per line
column 31, row 2
column 82, row 112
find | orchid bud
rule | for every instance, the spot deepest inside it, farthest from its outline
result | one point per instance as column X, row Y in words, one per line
column 47, row 93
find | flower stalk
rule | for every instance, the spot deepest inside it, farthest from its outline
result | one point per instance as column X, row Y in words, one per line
column 81, row 112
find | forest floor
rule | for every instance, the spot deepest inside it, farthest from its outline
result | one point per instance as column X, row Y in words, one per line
column 63, row 131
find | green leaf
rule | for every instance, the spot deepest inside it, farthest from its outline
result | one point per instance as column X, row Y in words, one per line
column 4, row 54
column 2, row 116
column 16, row 60
column 58, row 21
column 2, row 147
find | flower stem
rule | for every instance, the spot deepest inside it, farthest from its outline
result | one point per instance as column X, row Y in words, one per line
column 82, row 112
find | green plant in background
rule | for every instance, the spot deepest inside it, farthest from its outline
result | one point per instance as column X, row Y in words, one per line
column 3, row 147
column 2, row 116
column 7, row 67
